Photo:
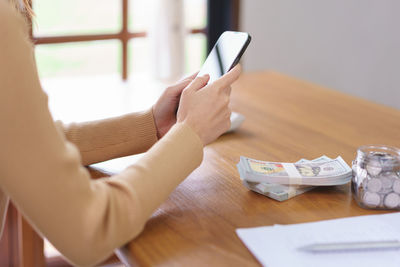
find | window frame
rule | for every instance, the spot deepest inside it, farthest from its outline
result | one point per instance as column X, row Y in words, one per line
column 124, row 36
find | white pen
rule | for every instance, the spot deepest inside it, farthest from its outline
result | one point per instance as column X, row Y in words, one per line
column 346, row 246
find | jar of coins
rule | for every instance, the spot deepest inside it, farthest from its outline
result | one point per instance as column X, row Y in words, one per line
column 376, row 177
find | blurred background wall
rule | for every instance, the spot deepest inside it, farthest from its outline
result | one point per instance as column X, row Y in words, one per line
column 349, row 45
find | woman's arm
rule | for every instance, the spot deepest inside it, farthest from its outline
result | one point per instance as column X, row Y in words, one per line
column 128, row 134
column 43, row 175
column 114, row 137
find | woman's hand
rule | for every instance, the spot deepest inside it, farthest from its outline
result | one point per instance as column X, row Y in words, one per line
column 164, row 111
column 205, row 108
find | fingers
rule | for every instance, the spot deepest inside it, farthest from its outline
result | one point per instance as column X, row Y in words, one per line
column 199, row 83
column 178, row 88
column 229, row 77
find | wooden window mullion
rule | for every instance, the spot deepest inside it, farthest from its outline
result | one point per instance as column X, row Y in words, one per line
column 125, row 39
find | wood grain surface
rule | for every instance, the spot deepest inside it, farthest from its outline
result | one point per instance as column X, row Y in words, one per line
column 286, row 119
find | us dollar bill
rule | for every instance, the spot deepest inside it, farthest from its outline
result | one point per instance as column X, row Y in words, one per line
column 323, row 172
column 281, row 192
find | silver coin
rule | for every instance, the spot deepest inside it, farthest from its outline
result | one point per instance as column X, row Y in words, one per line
column 387, row 167
column 374, row 185
column 396, row 186
column 385, row 191
column 391, row 175
column 387, row 181
column 391, row 200
column 371, row 199
column 374, row 167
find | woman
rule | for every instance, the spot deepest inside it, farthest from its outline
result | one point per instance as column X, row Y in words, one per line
column 42, row 162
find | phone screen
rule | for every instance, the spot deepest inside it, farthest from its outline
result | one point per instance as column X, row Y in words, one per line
column 225, row 54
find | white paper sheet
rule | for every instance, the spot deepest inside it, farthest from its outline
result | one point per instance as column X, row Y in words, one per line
column 277, row 246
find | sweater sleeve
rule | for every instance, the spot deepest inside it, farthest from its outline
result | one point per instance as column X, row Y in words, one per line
column 42, row 173
column 113, row 137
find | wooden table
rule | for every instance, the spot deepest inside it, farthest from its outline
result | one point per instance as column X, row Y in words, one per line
column 286, row 119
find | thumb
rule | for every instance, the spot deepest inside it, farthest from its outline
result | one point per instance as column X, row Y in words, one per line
column 178, row 87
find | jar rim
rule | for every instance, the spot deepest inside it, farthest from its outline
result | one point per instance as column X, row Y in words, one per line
column 394, row 151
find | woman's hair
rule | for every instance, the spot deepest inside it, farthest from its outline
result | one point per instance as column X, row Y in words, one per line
column 23, row 6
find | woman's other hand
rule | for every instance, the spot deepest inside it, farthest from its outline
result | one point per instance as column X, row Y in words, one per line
column 164, row 111
column 207, row 110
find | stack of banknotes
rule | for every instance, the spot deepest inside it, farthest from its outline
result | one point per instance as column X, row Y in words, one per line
column 282, row 181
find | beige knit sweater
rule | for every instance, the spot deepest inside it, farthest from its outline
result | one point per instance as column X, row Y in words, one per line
column 42, row 163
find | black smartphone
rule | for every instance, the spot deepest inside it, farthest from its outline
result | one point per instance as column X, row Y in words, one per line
column 225, row 54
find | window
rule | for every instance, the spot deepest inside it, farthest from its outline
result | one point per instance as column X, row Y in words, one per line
column 95, row 37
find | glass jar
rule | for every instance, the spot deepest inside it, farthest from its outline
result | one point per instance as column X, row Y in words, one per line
column 376, row 177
